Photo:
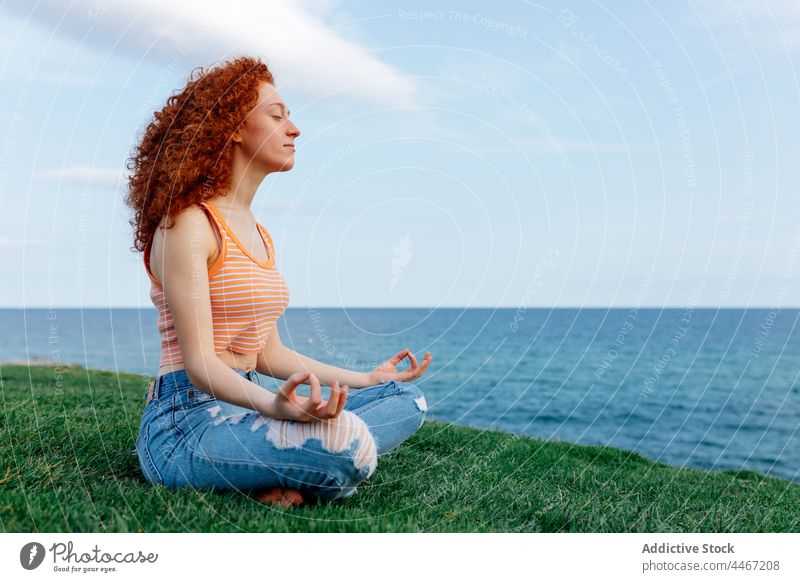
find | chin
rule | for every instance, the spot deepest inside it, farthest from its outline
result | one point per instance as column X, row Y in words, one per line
column 286, row 166
column 279, row 164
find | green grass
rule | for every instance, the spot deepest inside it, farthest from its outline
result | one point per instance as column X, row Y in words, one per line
column 68, row 463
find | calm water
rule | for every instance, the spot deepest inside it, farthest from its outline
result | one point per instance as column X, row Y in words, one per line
column 706, row 388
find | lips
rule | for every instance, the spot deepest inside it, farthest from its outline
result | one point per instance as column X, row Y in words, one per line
column 289, row 145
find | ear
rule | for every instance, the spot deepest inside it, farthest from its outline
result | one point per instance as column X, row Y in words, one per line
column 237, row 137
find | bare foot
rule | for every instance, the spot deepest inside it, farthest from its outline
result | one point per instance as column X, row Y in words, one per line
column 279, row 496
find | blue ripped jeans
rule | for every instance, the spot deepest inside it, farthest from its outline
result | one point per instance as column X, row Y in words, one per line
column 188, row 438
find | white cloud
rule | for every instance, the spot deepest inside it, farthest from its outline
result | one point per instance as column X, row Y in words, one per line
column 544, row 145
column 117, row 179
column 83, row 175
column 8, row 243
column 772, row 25
column 302, row 51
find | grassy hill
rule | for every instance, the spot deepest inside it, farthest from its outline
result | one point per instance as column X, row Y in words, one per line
column 68, row 463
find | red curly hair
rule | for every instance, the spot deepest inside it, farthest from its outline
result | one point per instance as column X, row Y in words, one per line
column 186, row 153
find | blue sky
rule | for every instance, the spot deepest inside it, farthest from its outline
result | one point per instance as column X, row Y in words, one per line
column 475, row 154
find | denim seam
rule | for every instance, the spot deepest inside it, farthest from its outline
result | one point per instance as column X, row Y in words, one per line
column 207, row 426
column 350, row 451
column 370, row 405
column 176, row 409
column 148, row 458
column 277, row 467
column 193, row 403
column 190, row 402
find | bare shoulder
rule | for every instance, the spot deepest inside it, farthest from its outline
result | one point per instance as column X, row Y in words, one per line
column 190, row 237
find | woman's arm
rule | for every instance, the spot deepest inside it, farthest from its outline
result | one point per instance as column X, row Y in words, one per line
column 183, row 274
column 280, row 362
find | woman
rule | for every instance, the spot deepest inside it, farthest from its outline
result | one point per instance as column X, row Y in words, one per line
column 207, row 422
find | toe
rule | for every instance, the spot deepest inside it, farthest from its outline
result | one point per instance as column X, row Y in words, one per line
column 293, row 497
column 273, row 495
column 279, row 496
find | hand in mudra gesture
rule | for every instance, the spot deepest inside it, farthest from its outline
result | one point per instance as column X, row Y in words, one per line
column 388, row 370
column 287, row 405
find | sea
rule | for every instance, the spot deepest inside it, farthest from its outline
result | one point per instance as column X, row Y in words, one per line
column 693, row 387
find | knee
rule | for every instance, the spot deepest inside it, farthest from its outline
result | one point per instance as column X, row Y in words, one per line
column 414, row 393
column 354, row 454
column 348, row 447
column 351, row 432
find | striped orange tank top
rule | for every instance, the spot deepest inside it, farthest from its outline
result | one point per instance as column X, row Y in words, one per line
column 247, row 295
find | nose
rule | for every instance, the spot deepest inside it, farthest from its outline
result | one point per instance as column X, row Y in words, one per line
column 292, row 130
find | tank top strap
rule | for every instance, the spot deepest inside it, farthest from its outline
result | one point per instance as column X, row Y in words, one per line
column 220, row 232
column 222, row 227
column 268, row 238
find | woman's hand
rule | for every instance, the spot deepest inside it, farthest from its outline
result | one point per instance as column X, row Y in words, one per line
column 388, row 370
column 289, row 406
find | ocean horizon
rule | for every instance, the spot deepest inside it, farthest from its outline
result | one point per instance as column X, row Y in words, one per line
column 711, row 388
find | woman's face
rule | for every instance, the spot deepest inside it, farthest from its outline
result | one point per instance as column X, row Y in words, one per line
column 268, row 132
